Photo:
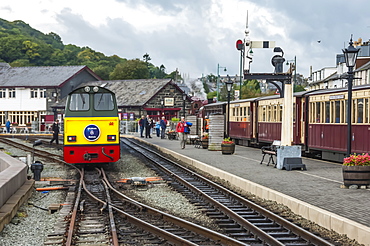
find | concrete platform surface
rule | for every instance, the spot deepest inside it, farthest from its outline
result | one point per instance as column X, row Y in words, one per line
column 316, row 193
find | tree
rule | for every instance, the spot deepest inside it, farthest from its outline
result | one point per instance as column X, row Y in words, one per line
column 146, row 58
column 250, row 89
column 131, row 69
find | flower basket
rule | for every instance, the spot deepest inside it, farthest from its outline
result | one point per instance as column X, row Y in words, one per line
column 356, row 170
column 204, row 143
column 227, row 147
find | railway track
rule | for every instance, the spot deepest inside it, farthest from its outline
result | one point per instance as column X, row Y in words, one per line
column 241, row 219
column 35, row 151
column 104, row 216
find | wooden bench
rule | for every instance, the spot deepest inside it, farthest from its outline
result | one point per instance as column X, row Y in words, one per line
column 271, row 151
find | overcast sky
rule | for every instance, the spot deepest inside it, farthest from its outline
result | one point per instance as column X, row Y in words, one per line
column 196, row 35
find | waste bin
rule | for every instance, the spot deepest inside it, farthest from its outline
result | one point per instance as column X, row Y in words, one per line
column 37, row 168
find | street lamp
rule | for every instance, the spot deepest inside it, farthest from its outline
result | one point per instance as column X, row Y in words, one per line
column 218, row 80
column 229, row 86
column 350, row 56
column 183, row 98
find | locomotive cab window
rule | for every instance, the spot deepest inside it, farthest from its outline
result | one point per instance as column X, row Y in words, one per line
column 103, row 101
column 79, row 102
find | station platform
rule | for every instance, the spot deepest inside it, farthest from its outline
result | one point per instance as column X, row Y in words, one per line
column 316, row 193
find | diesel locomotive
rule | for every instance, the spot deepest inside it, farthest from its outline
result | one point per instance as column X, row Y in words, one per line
column 91, row 126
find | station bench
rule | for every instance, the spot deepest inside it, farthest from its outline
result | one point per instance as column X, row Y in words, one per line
column 271, row 151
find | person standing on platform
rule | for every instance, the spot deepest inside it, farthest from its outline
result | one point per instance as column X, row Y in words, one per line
column 148, row 125
column 142, row 125
column 158, row 128
column 55, row 129
column 180, row 129
column 163, row 124
column 206, row 124
column 7, row 126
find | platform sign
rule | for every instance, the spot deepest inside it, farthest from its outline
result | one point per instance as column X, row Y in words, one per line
column 132, row 116
column 125, row 116
column 92, row 132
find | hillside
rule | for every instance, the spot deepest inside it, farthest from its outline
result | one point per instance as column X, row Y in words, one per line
column 21, row 45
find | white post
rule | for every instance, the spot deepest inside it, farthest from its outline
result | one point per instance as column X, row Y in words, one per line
column 287, row 119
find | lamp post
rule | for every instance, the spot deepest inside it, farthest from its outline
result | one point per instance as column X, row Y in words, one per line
column 218, row 80
column 183, row 98
column 229, row 86
column 350, row 56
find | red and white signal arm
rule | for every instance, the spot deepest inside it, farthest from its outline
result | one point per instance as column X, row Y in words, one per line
column 239, row 44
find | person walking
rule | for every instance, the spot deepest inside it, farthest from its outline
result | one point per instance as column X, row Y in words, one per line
column 55, row 129
column 142, row 125
column 180, row 129
column 7, row 126
column 148, row 125
column 163, row 124
column 158, row 128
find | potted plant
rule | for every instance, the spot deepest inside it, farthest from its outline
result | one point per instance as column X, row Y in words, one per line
column 227, row 146
column 356, row 170
column 205, row 141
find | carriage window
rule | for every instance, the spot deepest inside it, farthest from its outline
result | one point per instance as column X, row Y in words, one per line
column 280, row 113
column 264, row 113
column 344, row 111
column 317, row 117
column 269, row 114
column 294, row 112
column 79, row 102
column 360, row 110
column 337, row 111
column 103, row 101
column 327, row 112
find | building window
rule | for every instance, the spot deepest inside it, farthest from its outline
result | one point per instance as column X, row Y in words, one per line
column 11, row 93
column 2, row 93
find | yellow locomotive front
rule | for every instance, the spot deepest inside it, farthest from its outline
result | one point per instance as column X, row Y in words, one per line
column 91, row 126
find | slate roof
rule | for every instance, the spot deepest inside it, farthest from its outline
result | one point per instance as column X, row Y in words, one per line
column 38, row 76
column 133, row 92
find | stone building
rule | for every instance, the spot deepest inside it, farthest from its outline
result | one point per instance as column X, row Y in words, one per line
column 153, row 97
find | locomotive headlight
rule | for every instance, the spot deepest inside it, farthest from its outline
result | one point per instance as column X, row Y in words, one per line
column 71, row 138
column 87, row 88
column 111, row 138
column 95, row 89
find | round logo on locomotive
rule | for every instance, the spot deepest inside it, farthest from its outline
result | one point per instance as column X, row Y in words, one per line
column 92, row 132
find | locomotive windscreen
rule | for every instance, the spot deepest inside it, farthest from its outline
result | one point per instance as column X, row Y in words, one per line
column 79, row 102
column 103, row 101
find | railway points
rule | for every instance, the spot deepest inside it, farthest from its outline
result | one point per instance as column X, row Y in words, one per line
column 315, row 194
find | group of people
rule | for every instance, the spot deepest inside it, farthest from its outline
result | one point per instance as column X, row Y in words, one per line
column 147, row 124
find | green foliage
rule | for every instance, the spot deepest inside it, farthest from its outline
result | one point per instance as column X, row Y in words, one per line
column 21, row 45
column 250, row 89
column 131, row 69
column 298, row 88
column 211, row 95
column 175, row 119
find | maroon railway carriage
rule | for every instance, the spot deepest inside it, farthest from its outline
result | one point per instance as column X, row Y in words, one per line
column 327, row 122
